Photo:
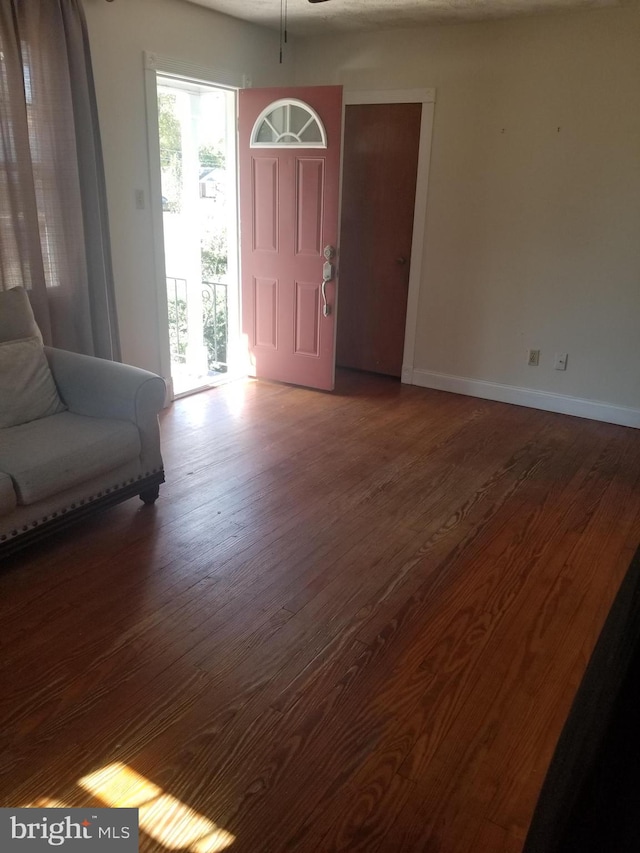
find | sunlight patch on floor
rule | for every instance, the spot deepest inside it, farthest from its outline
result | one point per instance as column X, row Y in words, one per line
column 46, row 803
column 235, row 397
column 163, row 817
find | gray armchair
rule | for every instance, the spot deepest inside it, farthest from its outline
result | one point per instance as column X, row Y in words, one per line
column 76, row 433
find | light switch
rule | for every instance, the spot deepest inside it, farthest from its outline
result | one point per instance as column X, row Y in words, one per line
column 560, row 361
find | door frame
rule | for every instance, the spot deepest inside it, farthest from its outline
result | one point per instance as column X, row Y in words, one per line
column 426, row 97
column 166, row 66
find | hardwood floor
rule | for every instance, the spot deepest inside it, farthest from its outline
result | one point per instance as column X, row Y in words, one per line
column 353, row 621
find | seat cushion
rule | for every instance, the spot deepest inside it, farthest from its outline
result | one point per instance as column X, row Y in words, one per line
column 7, row 494
column 51, row 454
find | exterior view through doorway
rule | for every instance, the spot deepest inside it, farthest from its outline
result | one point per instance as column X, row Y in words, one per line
column 196, row 131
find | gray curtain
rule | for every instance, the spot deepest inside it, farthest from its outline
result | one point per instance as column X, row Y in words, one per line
column 54, row 235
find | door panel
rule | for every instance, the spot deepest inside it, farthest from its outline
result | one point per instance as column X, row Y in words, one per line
column 381, row 143
column 264, row 179
column 288, row 214
column 265, row 312
column 310, row 195
column 307, row 318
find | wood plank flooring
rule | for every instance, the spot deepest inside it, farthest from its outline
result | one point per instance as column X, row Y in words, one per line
column 353, row 621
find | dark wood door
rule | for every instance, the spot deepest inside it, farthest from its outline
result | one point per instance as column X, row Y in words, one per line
column 381, row 143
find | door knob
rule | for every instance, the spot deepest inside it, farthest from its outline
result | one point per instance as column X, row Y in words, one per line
column 401, row 260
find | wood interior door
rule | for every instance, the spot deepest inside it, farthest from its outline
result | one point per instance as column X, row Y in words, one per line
column 381, row 143
column 289, row 196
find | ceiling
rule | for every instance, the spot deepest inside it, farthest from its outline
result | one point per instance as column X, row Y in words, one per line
column 306, row 18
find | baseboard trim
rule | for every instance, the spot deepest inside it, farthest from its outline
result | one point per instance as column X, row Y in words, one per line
column 592, row 409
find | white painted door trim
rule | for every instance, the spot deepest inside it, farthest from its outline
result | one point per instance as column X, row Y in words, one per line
column 427, row 97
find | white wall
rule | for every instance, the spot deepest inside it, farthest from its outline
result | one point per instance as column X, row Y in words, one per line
column 119, row 32
column 533, row 233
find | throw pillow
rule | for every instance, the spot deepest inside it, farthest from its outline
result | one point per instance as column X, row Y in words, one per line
column 27, row 389
column 16, row 316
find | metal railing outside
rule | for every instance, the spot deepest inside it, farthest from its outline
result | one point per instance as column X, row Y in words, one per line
column 215, row 321
column 215, row 305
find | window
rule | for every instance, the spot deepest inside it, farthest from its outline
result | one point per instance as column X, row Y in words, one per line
column 288, row 122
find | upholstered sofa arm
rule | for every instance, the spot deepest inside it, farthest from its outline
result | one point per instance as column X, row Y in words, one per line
column 107, row 389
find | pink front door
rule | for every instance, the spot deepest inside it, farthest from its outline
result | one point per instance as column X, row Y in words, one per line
column 289, row 177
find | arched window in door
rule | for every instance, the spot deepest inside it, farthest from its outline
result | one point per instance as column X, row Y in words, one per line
column 290, row 123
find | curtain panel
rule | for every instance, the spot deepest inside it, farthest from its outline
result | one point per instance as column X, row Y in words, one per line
column 54, row 235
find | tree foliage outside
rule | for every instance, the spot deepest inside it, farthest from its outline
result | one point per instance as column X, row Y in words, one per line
column 214, row 256
column 170, row 134
column 213, row 245
column 170, row 151
column 215, row 327
column 211, row 158
column 214, row 298
column 177, row 311
column 214, row 307
column 215, row 319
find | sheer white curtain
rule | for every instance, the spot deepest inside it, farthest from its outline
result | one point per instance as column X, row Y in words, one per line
column 54, row 236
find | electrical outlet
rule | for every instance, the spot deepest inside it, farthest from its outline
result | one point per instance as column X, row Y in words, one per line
column 139, row 196
column 560, row 361
column 534, row 358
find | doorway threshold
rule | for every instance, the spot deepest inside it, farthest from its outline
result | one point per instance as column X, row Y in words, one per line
column 223, row 379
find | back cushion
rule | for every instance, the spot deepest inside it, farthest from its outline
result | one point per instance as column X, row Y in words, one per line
column 27, row 389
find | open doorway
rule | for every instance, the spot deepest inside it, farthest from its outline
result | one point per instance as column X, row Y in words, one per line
column 197, row 142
